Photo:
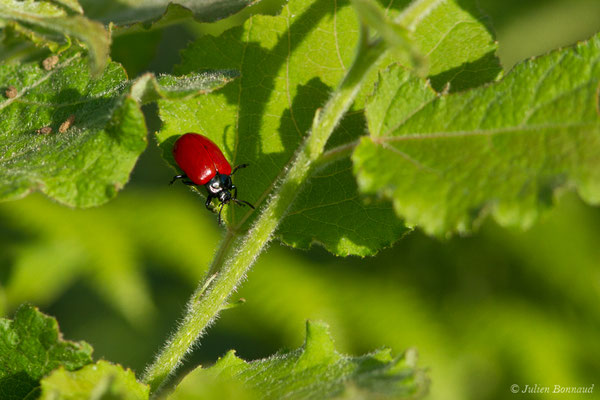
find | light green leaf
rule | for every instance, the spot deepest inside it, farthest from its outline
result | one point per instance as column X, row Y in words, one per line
column 48, row 24
column 30, row 347
column 101, row 380
column 77, row 139
column 136, row 15
column 148, row 88
column 314, row 371
column 289, row 64
column 461, row 51
column 504, row 149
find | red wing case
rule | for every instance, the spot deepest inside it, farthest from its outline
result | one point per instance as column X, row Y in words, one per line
column 200, row 158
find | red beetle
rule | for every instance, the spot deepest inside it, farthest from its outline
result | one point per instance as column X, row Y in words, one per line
column 203, row 163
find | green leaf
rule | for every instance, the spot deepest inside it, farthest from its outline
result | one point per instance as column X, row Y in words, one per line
column 101, row 380
column 289, row 64
column 314, row 371
column 77, row 139
column 332, row 213
column 461, row 51
column 136, row 15
column 48, row 24
column 148, row 88
column 88, row 162
column 30, row 347
column 504, row 149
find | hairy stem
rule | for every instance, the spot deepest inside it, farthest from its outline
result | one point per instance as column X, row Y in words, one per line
column 337, row 153
column 222, row 280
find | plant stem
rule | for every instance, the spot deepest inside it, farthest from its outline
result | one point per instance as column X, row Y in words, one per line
column 222, row 280
column 337, row 153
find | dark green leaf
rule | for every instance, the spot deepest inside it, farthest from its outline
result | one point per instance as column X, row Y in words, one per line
column 140, row 14
column 30, row 347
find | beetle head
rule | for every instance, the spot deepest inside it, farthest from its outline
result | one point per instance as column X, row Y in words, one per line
column 224, row 196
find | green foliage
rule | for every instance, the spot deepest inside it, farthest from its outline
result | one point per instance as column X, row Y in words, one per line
column 500, row 307
column 53, row 24
column 37, row 362
column 472, row 302
column 504, row 149
column 103, row 247
column 148, row 88
column 101, row 380
column 264, row 115
column 460, row 50
column 135, row 15
column 87, row 163
column 31, row 347
column 314, row 371
column 74, row 138
column 289, row 98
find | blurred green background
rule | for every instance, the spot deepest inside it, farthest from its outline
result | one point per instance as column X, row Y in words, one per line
column 485, row 312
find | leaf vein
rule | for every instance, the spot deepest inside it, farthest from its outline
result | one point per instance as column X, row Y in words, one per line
column 335, row 35
column 484, row 132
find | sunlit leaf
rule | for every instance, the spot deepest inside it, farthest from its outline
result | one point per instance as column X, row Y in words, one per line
column 315, row 370
column 101, row 380
column 503, row 149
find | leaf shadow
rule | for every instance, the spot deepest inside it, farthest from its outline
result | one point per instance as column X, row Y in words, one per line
column 18, row 384
column 85, row 112
column 468, row 75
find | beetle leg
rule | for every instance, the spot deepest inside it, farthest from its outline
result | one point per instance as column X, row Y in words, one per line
column 239, row 167
column 208, row 200
column 243, row 202
column 235, row 199
column 185, row 181
column 183, row 176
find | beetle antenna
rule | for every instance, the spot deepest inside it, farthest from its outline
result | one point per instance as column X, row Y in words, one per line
column 239, row 167
column 243, row 202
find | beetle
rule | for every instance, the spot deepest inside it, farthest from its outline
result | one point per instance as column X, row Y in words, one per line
column 203, row 163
